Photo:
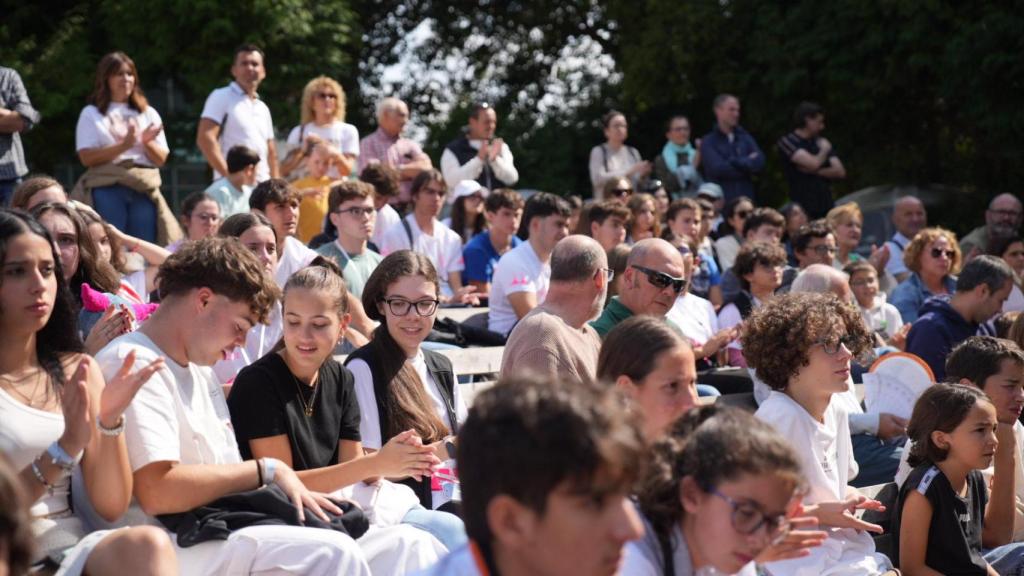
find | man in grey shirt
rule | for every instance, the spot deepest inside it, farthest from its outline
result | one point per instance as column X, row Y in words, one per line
column 16, row 115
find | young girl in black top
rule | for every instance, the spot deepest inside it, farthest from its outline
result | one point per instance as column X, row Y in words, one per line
column 297, row 404
column 941, row 506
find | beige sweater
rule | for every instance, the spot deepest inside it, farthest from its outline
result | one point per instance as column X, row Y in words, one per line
column 542, row 343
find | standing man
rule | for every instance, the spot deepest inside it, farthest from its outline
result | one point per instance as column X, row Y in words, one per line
column 909, row 218
column 809, row 161
column 235, row 115
column 554, row 339
column 478, row 155
column 16, row 115
column 729, row 153
column 1002, row 220
column 386, row 146
column 521, row 278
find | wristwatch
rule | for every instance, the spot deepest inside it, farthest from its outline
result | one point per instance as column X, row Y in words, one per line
column 60, row 458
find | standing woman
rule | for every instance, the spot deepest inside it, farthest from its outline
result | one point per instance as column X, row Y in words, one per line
column 323, row 122
column 399, row 385
column 57, row 414
column 122, row 134
column 614, row 159
column 643, row 219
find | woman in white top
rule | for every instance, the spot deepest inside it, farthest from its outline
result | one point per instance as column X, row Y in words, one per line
column 735, row 213
column 56, row 414
column 720, row 494
column 323, row 122
column 120, row 127
column 614, row 159
column 401, row 386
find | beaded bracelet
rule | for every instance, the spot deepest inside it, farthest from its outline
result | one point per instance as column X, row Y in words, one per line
column 39, row 475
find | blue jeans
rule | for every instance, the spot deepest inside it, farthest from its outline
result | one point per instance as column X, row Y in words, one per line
column 7, row 191
column 876, row 458
column 447, row 528
column 129, row 211
column 1007, row 560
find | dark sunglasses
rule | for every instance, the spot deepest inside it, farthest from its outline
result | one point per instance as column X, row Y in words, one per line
column 743, row 213
column 938, row 253
column 622, row 191
column 661, row 280
column 326, row 96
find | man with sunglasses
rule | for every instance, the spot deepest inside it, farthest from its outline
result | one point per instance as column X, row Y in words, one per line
column 654, row 277
column 982, row 287
column 1002, row 220
column 554, row 339
column 477, row 155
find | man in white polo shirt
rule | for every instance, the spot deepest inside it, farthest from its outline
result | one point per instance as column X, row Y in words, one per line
column 235, row 115
column 521, row 277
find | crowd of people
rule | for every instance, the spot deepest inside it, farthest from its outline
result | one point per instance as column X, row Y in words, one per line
column 282, row 328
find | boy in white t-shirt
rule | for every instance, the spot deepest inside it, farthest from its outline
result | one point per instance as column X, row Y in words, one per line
column 384, row 180
column 880, row 316
column 521, row 276
column 279, row 202
column 801, row 346
column 180, row 444
column 422, row 232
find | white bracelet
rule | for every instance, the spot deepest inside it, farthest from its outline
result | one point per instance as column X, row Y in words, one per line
column 269, row 466
column 115, row 431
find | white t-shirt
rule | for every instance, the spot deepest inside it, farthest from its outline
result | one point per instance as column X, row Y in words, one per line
column 904, row 470
column 248, row 124
column 726, row 248
column 695, row 316
column 826, row 458
column 518, row 270
column 294, row 256
column 1015, row 301
column 444, row 247
column 882, row 317
column 369, row 418
column 387, row 217
column 895, row 264
column 97, row 130
column 179, row 415
column 341, row 136
column 730, row 316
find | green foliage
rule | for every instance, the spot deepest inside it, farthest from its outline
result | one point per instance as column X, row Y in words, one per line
column 182, row 48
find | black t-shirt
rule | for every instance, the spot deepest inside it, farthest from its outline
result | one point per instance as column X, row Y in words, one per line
column 264, row 402
column 954, row 535
column 811, row 191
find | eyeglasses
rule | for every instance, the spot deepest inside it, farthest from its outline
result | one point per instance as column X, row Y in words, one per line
column 747, row 519
column 821, row 250
column 832, row 345
column 357, row 211
column 608, row 273
column 661, row 280
column 326, row 95
column 743, row 213
column 401, row 306
column 622, row 191
column 939, row 253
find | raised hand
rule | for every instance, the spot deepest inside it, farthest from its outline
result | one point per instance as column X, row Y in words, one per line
column 879, row 258
column 131, row 137
column 798, row 541
column 840, row 514
column 114, row 322
column 151, row 132
column 119, row 391
column 74, row 403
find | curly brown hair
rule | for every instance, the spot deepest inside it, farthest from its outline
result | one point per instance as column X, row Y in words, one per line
column 912, row 255
column 224, row 266
column 777, row 337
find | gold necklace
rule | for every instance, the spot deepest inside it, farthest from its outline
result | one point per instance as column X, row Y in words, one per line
column 29, row 400
column 307, row 407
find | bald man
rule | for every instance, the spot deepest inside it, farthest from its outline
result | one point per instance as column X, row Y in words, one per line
column 653, row 278
column 1002, row 220
column 554, row 338
column 909, row 217
column 387, row 146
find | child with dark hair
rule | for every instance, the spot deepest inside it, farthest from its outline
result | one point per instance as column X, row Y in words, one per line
column 721, row 491
column 503, row 208
column 200, row 217
column 279, row 202
column 232, row 191
column 547, row 467
column 801, row 345
column 942, row 508
column 759, row 267
column 384, row 180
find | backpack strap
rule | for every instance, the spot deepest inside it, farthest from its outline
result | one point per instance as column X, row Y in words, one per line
column 408, row 231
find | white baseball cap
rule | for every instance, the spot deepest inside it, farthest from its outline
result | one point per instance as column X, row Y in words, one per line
column 467, row 188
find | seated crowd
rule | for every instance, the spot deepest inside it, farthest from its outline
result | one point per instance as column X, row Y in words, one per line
column 259, row 386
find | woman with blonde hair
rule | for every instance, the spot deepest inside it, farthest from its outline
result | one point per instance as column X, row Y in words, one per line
column 933, row 258
column 323, row 122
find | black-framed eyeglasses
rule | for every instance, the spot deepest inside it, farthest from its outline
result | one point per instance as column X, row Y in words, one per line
column 401, row 306
column 831, row 346
column 939, row 253
column 747, row 518
column 357, row 211
column 661, row 280
column 622, row 191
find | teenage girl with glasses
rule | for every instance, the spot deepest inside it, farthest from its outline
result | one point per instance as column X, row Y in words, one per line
column 721, row 493
column 401, row 386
